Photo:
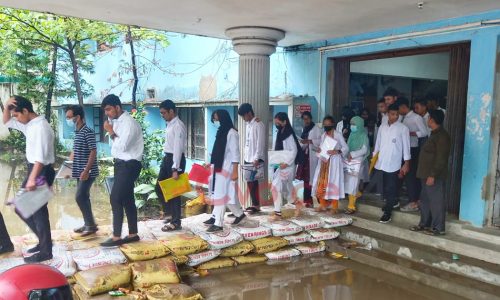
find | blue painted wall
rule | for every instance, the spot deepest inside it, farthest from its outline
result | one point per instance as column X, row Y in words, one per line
column 484, row 48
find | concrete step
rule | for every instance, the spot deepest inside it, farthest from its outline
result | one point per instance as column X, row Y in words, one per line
column 452, row 243
column 447, row 281
column 464, row 266
column 371, row 205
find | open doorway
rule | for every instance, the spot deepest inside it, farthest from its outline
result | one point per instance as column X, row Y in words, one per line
column 438, row 72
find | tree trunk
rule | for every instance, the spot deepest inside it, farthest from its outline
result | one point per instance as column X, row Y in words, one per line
column 76, row 75
column 52, row 82
column 130, row 40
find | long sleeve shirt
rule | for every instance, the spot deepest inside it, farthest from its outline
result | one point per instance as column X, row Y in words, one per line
column 39, row 139
column 415, row 123
column 128, row 143
column 175, row 141
column 392, row 146
column 426, row 121
column 289, row 145
column 433, row 158
column 255, row 141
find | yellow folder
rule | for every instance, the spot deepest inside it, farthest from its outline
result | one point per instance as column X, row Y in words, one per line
column 373, row 161
column 172, row 188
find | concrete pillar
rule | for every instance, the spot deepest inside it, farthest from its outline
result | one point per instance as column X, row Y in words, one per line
column 254, row 45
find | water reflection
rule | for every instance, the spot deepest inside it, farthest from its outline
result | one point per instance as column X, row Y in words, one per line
column 63, row 210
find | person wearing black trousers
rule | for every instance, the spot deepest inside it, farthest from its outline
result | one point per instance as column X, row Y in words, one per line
column 6, row 245
column 174, row 161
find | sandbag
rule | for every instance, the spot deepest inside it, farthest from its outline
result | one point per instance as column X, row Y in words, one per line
column 323, row 234
column 82, row 295
column 220, row 239
column 252, row 230
column 268, row 244
column 283, row 254
column 199, row 258
column 104, row 279
column 172, row 292
column 310, row 248
column 195, row 206
column 239, row 249
column 218, row 263
column 184, row 243
column 62, row 261
column 144, row 250
column 332, row 222
column 249, row 259
column 148, row 273
column 178, row 259
column 298, row 238
column 97, row 257
column 283, row 227
column 308, row 222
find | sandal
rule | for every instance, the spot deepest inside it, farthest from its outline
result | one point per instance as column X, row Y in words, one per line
column 320, row 209
column 252, row 210
column 417, row 228
column 350, row 211
column 170, row 227
column 276, row 217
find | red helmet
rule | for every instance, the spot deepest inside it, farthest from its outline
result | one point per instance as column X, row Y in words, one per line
column 34, row 282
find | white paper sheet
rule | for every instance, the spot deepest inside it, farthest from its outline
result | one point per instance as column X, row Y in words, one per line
column 327, row 145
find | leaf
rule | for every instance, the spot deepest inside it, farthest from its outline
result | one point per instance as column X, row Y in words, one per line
column 139, row 203
column 144, row 189
column 152, row 196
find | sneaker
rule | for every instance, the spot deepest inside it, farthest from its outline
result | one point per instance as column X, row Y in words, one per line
column 410, row 207
column 79, row 229
column 214, row 228
column 37, row 257
column 386, row 218
column 396, row 205
column 238, row 219
column 34, row 249
column 210, row 221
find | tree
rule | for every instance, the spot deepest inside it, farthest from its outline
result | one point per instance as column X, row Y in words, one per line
column 70, row 40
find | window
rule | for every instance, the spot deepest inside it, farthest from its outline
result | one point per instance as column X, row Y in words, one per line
column 100, row 135
column 151, row 93
column 194, row 119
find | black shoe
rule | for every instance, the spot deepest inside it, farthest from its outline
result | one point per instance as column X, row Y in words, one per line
column 6, row 249
column 210, row 221
column 111, row 243
column 238, row 219
column 131, row 239
column 231, row 216
column 79, row 229
column 434, row 232
column 89, row 230
column 34, row 249
column 386, row 218
column 214, row 228
column 417, row 228
column 37, row 257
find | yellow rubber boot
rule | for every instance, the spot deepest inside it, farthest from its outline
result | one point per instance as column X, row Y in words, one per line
column 352, row 203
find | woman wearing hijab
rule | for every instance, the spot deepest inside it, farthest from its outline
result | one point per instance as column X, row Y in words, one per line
column 282, row 184
column 359, row 149
column 343, row 126
column 309, row 141
column 224, row 161
column 328, row 183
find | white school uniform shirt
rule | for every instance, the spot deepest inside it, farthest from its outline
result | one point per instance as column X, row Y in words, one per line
column 128, row 143
column 255, row 141
column 426, row 121
column 39, row 139
column 392, row 146
column 175, row 141
column 385, row 119
column 415, row 123
column 315, row 136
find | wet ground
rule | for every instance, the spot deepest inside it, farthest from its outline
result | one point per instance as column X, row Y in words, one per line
column 312, row 277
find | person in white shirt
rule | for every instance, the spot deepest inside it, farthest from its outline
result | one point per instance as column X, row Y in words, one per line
column 418, row 129
column 392, row 147
column 433, row 102
column 127, row 150
column 328, row 182
column 253, row 154
column 310, row 140
column 421, row 109
column 40, row 156
column 282, row 183
column 224, row 162
column 173, row 163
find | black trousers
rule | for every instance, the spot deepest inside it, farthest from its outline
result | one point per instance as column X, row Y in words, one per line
column 122, row 195
column 253, row 188
column 413, row 185
column 390, row 181
column 174, row 205
column 39, row 222
column 432, row 205
column 83, row 200
column 4, row 234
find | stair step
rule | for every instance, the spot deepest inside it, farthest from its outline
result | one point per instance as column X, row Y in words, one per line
column 444, row 280
column 465, row 266
column 453, row 243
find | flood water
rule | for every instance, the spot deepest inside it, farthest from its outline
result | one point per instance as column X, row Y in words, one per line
column 307, row 278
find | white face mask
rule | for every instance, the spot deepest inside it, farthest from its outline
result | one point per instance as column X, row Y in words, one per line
column 217, row 124
column 70, row 122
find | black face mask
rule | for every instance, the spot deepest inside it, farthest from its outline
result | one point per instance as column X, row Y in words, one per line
column 327, row 128
column 279, row 127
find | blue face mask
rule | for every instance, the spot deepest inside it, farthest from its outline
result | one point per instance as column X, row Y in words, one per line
column 71, row 123
column 354, row 128
column 217, row 124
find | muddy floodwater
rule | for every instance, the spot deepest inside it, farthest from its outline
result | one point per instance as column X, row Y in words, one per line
column 308, row 277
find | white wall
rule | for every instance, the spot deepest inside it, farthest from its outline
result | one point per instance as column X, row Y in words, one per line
column 429, row 66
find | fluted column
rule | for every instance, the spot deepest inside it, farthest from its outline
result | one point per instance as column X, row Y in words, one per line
column 254, row 45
